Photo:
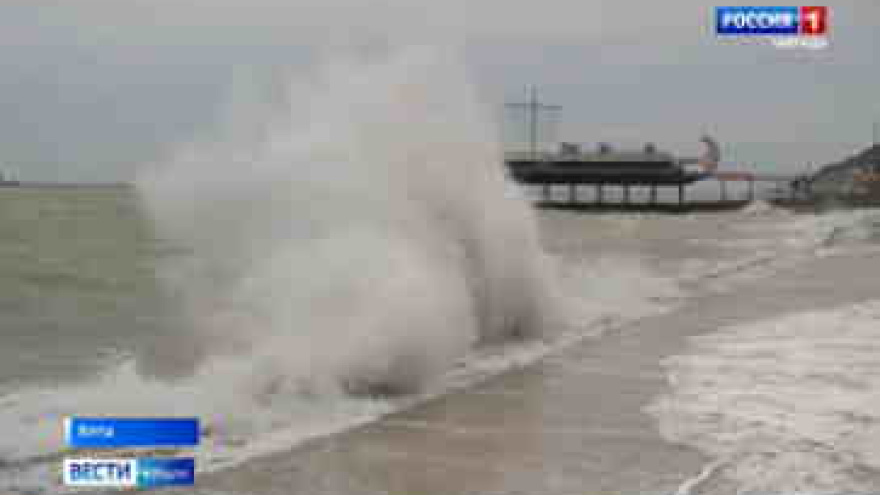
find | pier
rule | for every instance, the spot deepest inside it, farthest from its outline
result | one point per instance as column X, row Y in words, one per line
column 603, row 172
column 605, row 169
column 600, row 171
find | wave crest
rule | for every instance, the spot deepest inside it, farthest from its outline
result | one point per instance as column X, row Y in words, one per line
column 368, row 244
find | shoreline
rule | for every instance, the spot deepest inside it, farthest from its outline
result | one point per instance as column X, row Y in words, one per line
column 64, row 185
column 575, row 421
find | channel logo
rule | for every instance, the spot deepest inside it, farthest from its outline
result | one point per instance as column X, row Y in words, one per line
column 129, row 473
column 771, row 21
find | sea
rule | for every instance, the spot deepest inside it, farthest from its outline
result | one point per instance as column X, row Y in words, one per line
column 84, row 313
column 372, row 308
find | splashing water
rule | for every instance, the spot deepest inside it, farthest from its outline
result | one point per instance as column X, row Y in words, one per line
column 364, row 242
column 357, row 241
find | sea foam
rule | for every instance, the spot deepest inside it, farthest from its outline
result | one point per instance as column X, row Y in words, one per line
column 362, row 241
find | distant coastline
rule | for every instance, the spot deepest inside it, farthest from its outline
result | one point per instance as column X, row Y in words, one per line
column 63, row 185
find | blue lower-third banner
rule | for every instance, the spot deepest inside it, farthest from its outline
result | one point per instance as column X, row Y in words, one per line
column 141, row 472
column 101, row 432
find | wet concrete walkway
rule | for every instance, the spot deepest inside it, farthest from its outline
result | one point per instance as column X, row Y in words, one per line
column 571, row 424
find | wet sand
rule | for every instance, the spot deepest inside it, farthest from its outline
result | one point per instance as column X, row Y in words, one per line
column 572, row 423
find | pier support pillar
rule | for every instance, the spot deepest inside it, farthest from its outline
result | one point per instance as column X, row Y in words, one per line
column 572, row 193
column 626, row 194
column 546, row 192
column 600, row 194
column 751, row 189
column 723, row 189
column 653, row 194
column 681, row 194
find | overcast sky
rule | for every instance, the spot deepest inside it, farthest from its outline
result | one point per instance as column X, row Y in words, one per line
column 91, row 88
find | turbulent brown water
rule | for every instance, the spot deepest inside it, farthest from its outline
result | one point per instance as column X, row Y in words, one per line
column 371, row 257
column 83, row 306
